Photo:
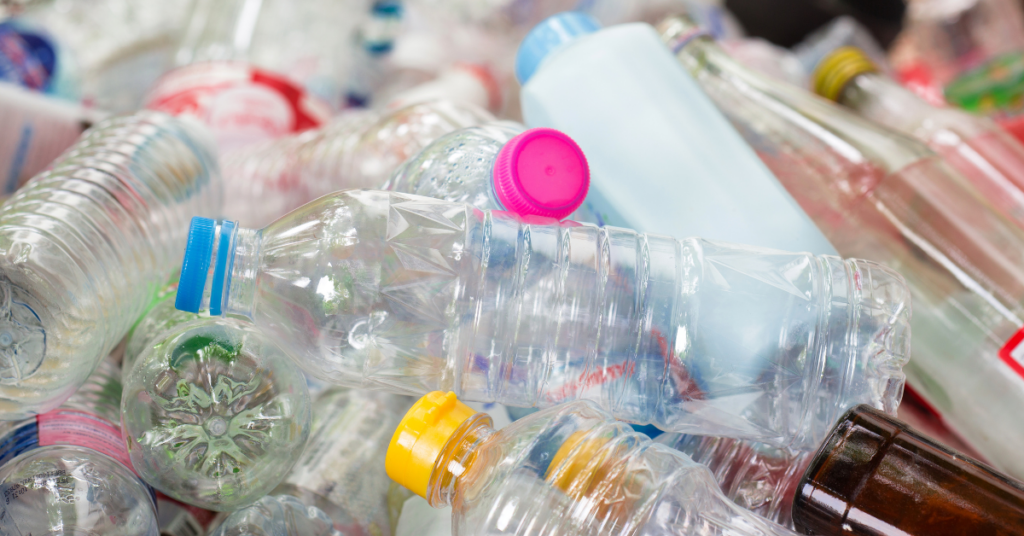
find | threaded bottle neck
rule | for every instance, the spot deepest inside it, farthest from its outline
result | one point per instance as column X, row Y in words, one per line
column 456, row 459
column 243, row 267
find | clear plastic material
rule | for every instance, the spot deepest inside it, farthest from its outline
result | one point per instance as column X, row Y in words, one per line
column 61, row 483
column 279, row 515
column 457, row 167
column 411, row 294
column 758, row 477
column 214, row 413
column 87, row 244
column 573, row 470
column 341, row 472
column 356, row 150
column 883, row 196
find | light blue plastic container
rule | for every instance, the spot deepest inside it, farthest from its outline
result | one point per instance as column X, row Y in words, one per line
column 663, row 158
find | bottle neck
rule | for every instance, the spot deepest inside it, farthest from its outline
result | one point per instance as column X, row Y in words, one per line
column 880, row 99
column 239, row 295
column 219, row 30
column 458, row 455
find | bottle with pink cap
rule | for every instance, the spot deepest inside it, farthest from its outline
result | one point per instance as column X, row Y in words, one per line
column 409, row 294
column 501, row 166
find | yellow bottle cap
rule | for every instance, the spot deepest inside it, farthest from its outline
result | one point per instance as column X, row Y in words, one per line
column 421, row 437
column 838, row 68
column 566, row 470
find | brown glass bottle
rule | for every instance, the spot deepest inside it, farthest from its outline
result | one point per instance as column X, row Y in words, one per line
column 874, row 476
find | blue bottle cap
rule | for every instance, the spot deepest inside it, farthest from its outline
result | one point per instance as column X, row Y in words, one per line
column 222, row 270
column 196, row 265
column 548, row 36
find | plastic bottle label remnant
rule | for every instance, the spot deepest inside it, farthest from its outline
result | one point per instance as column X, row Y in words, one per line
column 1012, row 353
column 241, row 104
column 83, row 429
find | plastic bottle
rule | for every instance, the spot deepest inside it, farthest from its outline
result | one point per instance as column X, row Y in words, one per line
column 356, row 150
column 87, row 244
column 67, row 471
column 983, row 153
column 500, row 166
column 874, row 476
column 882, row 196
column 758, row 477
column 341, row 471
column 567, row 470
column 663, row 159
column 279, row 515
column 36, row 130
column 412, row 294
column 214, row 413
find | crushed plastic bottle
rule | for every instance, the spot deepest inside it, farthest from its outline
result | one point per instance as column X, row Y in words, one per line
column 883, row 196
column 341, row 471
column 356, row 150
column 568, row 470
column 86, row 245
column 279, row 515
column 411, row 294
column 214, row 413
column 67, row 471
column 500, row 166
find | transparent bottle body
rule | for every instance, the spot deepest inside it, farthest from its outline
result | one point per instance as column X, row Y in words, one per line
column 67, row 488
column 356, row 150
column 989, row 158
column 611, row 481
column 758, row 477
column 214, row 413
column 457, row 167
column 341, row 470
column 87, row 244
column 279, row 515
column 883, row 197
column 411, row 294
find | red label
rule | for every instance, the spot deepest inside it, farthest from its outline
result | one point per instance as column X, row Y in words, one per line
column 241, row 103
column 1012, row 353
column 83, row 429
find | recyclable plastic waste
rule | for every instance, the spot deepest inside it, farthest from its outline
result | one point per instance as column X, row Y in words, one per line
column 277, row 515
column 411, row 294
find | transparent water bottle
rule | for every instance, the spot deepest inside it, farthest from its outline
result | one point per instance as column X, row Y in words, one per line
column 880, row 195
column 280, row 515
column 214, row 413
column 500, row 166
column 568, row 470
column 86, row 245
column 67, row 471
column 356, row 150
column 758, row 477
column 341, row 471
column 412, row 294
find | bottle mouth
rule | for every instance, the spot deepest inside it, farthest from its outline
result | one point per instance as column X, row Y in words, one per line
column 541, row 172
column 209, row 242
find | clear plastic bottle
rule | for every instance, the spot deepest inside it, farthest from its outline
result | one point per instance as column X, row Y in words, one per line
column 758, row 477
column 277, row 515
column 341, row 471
column 883, row 196
column 214, row 413
column 412, row 294
column 500, row 166
column 985, row 154
column 663, row 158
column 67, row 471
column 566, row 471
column 356, row 150
column 86, row 245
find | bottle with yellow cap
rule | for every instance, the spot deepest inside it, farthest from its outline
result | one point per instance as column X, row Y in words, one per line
column 986, row 155
column 411, row 294
column 884, row 196
column 569, row 470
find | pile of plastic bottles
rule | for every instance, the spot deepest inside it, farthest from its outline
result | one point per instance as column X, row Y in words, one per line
column 505, row 267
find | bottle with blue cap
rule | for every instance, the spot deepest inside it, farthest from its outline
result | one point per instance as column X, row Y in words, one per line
column 86, row 245
column 409, row 294
column 664, row 160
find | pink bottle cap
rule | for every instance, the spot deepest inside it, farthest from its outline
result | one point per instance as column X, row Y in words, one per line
column 541, row 172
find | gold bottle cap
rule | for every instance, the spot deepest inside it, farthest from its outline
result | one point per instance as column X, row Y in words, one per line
column 836, row 70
